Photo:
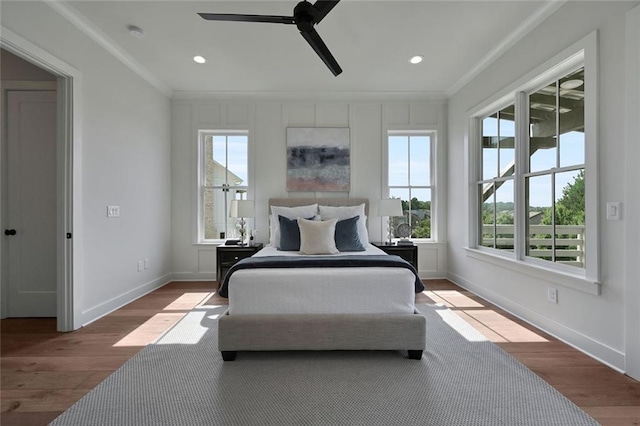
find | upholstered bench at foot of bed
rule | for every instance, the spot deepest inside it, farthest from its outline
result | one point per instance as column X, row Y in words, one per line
column 321, row 332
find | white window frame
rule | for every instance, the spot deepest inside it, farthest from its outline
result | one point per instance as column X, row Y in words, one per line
column 581, row 54
column 202, row 134
column 433, row 135
column 482, row 181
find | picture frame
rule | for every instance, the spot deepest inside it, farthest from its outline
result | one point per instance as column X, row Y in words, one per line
column 318, row 159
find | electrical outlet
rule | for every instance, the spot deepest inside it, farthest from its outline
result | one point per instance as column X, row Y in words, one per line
column 113, row 211
column 147, row 262
column 140, row 265
column 552, row 295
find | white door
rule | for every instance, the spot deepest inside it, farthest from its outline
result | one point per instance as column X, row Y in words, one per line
column 31, row 200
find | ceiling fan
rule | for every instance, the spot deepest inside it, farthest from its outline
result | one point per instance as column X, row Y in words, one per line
column 305, row 16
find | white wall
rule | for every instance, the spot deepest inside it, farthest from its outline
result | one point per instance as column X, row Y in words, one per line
column 592, row 323
column 125, row 150
column 267, row 121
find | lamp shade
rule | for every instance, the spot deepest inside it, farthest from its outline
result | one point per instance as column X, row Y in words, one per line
column 241, row 208
column 390, row 207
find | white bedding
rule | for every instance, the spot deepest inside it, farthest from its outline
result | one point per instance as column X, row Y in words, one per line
column 378, row 290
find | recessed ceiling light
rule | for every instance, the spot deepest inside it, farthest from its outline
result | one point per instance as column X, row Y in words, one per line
column 199, row 59
column 135, row 31
column 571, row 84
column 416, row 59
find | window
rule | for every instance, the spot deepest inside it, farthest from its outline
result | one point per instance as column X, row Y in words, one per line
column 532, row 174
column 410, row 178
column 223, row 176
column 496, row 187
column 554, row 182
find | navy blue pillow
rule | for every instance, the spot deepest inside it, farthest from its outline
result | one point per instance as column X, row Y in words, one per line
column 289, row 234
column 347, row 238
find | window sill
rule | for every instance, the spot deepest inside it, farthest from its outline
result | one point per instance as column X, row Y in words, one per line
column 574, row 281
column 209, row 243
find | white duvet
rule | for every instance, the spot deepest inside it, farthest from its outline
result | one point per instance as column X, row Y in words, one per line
column 370, row 290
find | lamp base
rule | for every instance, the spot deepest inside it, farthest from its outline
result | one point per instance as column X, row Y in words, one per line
column 390, row 232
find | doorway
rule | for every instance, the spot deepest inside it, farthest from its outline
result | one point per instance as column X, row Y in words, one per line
column 67, row 166
column 29, row 144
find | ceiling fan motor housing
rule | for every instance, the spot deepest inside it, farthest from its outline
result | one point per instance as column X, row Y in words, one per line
column 303, row 15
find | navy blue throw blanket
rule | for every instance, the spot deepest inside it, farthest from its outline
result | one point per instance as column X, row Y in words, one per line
column 383, row 260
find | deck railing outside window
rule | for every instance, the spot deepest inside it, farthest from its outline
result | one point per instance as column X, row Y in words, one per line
column 569, row 242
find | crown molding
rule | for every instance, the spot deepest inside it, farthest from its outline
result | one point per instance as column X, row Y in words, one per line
column 528, row 25
column 310, row 96
column 86, row 26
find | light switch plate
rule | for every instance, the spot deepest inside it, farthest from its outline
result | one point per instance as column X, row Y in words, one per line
column 613, row 210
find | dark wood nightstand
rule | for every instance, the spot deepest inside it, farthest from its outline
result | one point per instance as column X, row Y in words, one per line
column 407, row 252
column 227, row 256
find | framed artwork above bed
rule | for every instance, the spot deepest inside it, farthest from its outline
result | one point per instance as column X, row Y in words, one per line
column 318, row 159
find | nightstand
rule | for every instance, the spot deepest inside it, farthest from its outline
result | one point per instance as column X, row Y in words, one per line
column 407, row 252
column 227, row 256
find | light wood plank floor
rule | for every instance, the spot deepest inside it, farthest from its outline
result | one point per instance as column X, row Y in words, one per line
column 44, row 372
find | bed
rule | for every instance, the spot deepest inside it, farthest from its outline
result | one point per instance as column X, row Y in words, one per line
column 346, row 300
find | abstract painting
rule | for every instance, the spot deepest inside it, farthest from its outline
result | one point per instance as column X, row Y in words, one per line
column 318, row 159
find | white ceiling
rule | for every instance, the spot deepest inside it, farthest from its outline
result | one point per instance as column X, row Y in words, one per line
column 372, row 41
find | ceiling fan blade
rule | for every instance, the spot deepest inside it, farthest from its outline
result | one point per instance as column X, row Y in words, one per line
column 272, row 19
column 323, row 7
column 314, row 40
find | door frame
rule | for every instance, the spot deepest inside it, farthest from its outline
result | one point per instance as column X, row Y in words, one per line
column 632, row 194
column 68, row 166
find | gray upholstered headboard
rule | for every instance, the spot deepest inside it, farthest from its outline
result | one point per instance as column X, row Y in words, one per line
column 335, row 202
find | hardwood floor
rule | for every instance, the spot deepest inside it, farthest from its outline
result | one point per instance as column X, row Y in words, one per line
column 44, row 372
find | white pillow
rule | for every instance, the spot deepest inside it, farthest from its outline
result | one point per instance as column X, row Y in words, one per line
column 290, row 213
column 347, row 212
column 317, row 237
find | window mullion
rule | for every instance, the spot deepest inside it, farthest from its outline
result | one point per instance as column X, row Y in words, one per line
column 495, row 215
column 557, row 123
column 521, row 166
column 553, row 175
column 409, row 178
column 498, row 165
column 553, row 217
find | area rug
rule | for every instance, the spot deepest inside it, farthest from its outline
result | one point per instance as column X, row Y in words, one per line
column 462, row 379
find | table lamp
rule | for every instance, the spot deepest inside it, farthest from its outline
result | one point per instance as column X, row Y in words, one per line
column 241, row 209
column 391, row 207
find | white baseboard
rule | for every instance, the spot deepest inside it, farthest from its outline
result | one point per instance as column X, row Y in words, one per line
column 193, row 276
column 432, row 275
column 603, row 353
column 97, row 312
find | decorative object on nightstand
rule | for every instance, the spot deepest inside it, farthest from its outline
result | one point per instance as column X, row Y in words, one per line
column 391, row 208
column 403, row 231
column 227, row 256
column 241, row 209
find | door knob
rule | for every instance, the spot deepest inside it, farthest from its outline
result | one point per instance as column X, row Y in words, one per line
column 9, row 232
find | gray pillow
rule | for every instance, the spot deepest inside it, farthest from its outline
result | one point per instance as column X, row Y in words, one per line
column 346, row 237
column 289, row 234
